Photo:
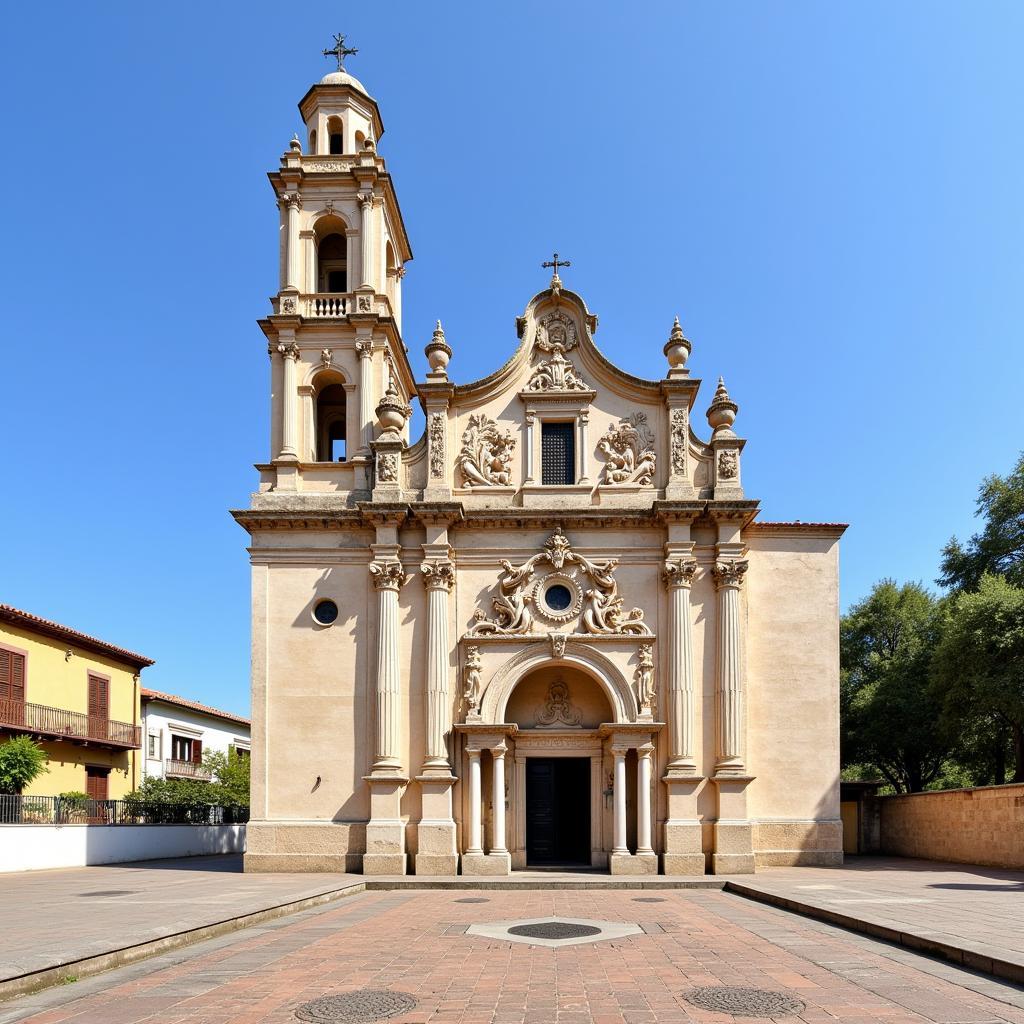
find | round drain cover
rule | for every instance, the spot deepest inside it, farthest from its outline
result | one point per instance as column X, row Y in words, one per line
column 473, row 899
column 554, row 930
column 746, row 1002
column 364, row 1004
column 648, row 899
column 110, row 892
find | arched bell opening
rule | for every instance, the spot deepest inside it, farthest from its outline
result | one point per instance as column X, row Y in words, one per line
column 331, row 255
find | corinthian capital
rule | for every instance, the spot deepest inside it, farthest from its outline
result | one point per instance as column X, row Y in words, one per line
column 388, row 575
column 438, row 574
column 365, row 198
column 679, row 572
column 292, row 199
column 289, row 350
column 729, row 572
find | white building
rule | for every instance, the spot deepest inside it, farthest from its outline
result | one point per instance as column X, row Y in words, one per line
column 177, row 732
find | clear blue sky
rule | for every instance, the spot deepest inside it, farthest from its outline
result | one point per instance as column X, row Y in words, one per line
column 828, row 194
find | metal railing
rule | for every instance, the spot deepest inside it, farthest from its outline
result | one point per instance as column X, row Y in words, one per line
column 63, row 724
column 175, row 769
column 59, row 810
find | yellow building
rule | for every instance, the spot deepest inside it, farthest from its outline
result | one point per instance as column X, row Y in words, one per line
column 79, row 697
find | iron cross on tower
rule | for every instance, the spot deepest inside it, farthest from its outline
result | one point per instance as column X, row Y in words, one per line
column 555, row 263
column 340, row 51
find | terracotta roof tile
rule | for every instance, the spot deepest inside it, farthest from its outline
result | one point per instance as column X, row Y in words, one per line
column 28, row 621
column 192, row 705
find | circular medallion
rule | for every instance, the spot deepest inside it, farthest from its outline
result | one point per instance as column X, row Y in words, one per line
column 362, row 1005
column 743, row 1002
column 554, row 930
column 558, row 597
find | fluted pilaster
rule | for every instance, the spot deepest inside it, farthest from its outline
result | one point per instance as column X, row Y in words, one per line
column 678, row 577
column 729, row 695
column 439, row 577
column 388, row 578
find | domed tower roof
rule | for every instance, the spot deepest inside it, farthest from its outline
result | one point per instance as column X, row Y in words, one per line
column 344, row 78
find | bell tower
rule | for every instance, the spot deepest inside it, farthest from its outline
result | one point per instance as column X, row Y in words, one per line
column 335, row 328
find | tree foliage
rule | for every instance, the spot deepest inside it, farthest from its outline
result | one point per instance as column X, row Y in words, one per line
column 890, row 717
column 22, row 761
column 998, row 549
column 228, row 785
column 979, row 664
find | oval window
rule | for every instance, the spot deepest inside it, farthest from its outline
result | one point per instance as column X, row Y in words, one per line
column 325, row 612
column 558, row 597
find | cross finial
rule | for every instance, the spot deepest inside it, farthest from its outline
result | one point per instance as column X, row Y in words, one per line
column 340, row 51
column 555, row 263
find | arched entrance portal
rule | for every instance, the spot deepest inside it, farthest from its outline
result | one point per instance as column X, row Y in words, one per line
column 558, row 767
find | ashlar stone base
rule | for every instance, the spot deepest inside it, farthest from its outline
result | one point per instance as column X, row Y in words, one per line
column 490, row 864
column 436, row 864
column 633, row 864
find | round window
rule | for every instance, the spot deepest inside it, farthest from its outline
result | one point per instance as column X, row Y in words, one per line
column 325, row 612
column 558, row 597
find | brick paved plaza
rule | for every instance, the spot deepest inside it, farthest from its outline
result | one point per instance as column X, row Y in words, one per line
column 416, row 942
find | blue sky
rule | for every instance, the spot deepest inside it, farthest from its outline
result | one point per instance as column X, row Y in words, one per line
column 829, row 196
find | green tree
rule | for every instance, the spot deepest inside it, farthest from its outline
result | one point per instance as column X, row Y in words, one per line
column 21, row 761
column 891, row 720
column 230, row 773
column 979, row 663
column 998, row 548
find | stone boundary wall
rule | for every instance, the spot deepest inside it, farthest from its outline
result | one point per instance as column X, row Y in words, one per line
column 966, row 826
column 31, row 847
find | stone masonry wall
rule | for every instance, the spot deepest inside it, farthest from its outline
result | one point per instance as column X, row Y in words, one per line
column 966, row 826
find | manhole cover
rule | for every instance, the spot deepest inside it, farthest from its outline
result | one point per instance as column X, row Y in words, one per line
column 473, row 899
column 747, row 1002
column 364, row 1004
column 554, row 930
column 110, row 892
column 648, row 899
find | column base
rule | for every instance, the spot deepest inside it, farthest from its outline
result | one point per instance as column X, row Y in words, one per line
column 633, row 864
column 436, row 851
column 436, row 864
column 732, row 864
column 385, row 831
column 385, row 863
column 491, row 864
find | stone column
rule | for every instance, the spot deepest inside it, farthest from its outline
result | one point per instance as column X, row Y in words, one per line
column 439, row 577
column 289, row 403
column 619, row 797
column 678, row 577
column 498, row 848
column 293, row 254
column 729, row 697
column 584, row 476
column 733, row 832
column 528, row 448
column 643, row 800
column 385, row 831
column 365, row 352
column 475, row 831
column 366, row 252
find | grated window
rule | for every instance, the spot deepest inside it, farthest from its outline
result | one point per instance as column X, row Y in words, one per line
column 558, row 453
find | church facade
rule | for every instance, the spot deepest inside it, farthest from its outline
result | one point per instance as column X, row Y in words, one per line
column 552, row 630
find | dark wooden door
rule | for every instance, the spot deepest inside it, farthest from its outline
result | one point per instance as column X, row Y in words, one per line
column 96, row 781
column 99, row 707
column 558, row 810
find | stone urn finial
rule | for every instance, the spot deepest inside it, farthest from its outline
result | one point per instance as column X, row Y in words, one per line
column 438, row 352
column 391, row 411
column 722, row 412
column 677, row 348
column 295, row 146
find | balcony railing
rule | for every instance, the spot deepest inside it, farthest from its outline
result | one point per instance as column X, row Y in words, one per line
column 175, row 769
column 59, row 723
column 62, row 810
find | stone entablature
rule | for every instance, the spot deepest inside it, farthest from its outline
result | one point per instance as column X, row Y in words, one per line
column 560, row 571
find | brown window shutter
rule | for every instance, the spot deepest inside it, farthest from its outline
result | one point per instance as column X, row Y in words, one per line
column 197, row 751
column 5, row 675
column 17, row 688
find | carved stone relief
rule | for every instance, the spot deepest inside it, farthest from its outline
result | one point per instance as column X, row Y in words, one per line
column 628, row 450
column 555, row 330
column 678, row 441
column 471, row 679
column 555, row 374
column 437, row 458
column 728, row 465
column 645, row 678
column 602, row 610
column 387, row 468
column 558, row 710
column 485, row 458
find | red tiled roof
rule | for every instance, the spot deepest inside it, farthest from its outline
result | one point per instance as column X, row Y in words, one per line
column 192, row 705
column 33, row 623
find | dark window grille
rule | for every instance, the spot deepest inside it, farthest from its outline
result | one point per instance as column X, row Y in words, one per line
column 558, row 453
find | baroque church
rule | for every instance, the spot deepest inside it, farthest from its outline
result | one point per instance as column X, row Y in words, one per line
column 554, row 629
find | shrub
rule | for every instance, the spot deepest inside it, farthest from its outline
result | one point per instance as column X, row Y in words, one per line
column 21, row 762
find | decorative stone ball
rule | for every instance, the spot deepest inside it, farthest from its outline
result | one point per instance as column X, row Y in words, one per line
column 722, row 413
column 677, row 348
column 295, row 145
column 391, row 413
column 438, row 352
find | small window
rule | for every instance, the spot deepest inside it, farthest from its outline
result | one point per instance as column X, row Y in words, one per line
column 153, row 750
column 242, row 752
column 558, row 453
column 325, row 612
column 558, row 596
